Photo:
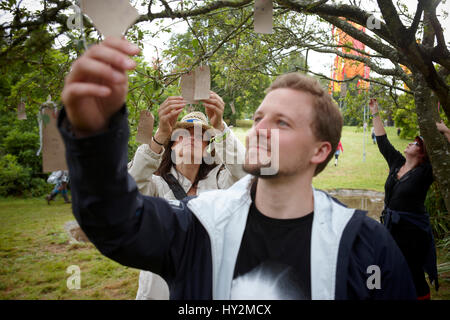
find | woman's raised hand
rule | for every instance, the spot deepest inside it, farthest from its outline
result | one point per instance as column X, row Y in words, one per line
column 214, row 107
column 168, row 114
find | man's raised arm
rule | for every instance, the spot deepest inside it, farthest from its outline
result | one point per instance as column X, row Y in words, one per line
column 141, row 232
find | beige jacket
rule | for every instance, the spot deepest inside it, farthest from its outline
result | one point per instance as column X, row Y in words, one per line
column 229, row 154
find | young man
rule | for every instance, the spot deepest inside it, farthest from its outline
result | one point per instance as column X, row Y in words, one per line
column 273, row 235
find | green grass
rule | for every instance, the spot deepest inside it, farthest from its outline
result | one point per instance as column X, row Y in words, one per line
column 352, row 172
column 35, row 251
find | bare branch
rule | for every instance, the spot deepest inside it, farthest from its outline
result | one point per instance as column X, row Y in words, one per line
column 50, row 14
column 229, row 35
column 196, row 36
column 193, row 12
column 350, row 12
column 167, row 7
column 393, row 21
column 387, row 51
column 431, row 11
column 354, row 78
column 415, row 24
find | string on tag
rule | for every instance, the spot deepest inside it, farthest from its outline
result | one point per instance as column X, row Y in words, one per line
column 75, row 21
column 46, row 104
column 80, row 15
column 40, row 114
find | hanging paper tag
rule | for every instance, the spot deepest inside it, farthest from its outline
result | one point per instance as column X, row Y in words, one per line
column 233, row 111
column 53, row 149
column 110, row 17
column 21, row 114
column 187, row 84
column 145, row 127
column 263, row 16
column 202, row 82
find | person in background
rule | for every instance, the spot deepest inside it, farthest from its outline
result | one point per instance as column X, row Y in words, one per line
column 338, row 151
column 157, row 175
column 405, row 216
column 61, row 180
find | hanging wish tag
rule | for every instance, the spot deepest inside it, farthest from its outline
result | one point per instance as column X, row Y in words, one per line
column 110, row 17
column 53, row 149
column 263, row 16
column 202, row 82
column 145, row 127
column 187, row 84
column 233, row 110
column 21, row 114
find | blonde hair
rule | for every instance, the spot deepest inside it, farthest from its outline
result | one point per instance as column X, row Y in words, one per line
column 327, row 119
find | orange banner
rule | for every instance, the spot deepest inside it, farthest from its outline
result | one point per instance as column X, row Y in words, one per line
column 346, row 68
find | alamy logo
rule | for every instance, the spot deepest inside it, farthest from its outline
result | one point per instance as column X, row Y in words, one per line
column 74, row 281
column 374, row 280
column 74, row 21
column 373, row 23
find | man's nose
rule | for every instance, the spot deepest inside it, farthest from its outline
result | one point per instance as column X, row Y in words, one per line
column 263, row 127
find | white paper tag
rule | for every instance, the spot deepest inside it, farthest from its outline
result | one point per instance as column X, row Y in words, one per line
column 53, row 149
column 263, row 16
column 187, row 83
column 110, row 17
column 145, row 127
column 21, row 114
column 202, row 82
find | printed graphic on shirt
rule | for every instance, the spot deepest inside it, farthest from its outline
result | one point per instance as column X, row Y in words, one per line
column 269, row 281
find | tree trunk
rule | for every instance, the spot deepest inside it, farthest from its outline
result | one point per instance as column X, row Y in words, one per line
column 438, row 147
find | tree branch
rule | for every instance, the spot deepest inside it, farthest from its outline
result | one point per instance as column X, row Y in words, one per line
column 393, row 22
column 440, row 52
column 387, row 51
column 354, row 78
column 397, row 71
column 167, row 7
column 350, row 12
column 415, row 24
column 194, row 12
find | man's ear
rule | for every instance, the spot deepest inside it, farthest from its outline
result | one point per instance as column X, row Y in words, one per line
column 321, row 152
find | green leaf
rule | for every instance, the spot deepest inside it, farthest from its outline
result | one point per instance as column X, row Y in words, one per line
column 195, row 44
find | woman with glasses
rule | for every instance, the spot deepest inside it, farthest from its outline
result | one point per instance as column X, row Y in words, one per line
column 410, row 177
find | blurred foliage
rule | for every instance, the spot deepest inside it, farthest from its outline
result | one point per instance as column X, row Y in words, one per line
column 405, row 117
column 439, row 218
column 246, row 123
column 14, row 178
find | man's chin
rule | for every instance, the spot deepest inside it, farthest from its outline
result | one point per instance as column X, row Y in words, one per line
column 257, row 170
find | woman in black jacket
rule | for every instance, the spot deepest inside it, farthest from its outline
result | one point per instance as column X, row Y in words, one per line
column 410, row 177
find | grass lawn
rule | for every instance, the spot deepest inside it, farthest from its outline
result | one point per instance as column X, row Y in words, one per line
column 352, row 172
column 35, row 254
column 35, row 251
